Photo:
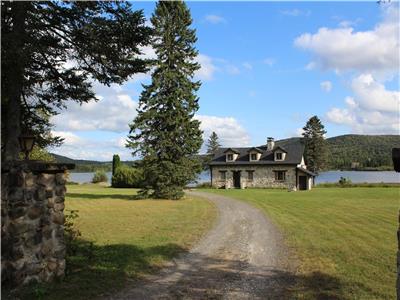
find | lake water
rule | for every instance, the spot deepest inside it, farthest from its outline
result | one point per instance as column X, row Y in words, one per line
column 330, row 176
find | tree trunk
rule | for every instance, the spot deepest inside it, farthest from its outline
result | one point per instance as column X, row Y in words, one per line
column 16, row 77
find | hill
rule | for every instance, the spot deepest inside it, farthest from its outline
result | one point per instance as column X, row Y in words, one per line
column 351, row 151
column 362, row 151
column 82, row 165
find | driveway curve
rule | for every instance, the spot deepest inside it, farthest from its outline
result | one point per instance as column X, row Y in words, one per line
column 242, row 257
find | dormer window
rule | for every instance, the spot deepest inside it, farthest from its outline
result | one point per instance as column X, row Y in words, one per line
column 254, row 154
column 279, row 153
column 231, row 154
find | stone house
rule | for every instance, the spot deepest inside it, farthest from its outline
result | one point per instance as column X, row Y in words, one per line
column 277, row 164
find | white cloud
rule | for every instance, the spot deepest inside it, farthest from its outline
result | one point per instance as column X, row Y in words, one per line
column 207, row 69
column 148, row 52
column 326, row 86
column 269, row 61
column 343, row 49
column 247, row 65
column 214, row 19
column 78, row 147
column 113, row 112
column 296, row 12
column 373, row 95
column 372, row 110
column 229, row 130
column 232, row 69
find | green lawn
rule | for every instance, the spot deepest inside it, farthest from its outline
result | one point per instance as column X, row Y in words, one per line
column 131, row 238
column 344, row 238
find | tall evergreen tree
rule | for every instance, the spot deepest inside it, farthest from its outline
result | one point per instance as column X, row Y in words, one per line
column 315, row 144
column 116, row 162
column 213, row 144
column 51, row 53
column 164, row 132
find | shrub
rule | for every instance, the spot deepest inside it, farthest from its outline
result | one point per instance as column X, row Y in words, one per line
column 344, row 181
column 71, row 233
column 99, row 176
column 127, row 177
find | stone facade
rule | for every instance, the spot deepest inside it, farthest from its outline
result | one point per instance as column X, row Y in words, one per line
column 263, row 176
column 32, row 221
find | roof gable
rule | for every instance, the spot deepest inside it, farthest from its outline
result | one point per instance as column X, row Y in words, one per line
column 232, row 150
column 255, row 149
column 293, row 147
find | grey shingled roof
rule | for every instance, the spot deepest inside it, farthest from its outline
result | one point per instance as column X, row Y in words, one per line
column 294, row 148
column 306, row 171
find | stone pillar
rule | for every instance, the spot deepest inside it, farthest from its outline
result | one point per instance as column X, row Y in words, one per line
column 32, row 221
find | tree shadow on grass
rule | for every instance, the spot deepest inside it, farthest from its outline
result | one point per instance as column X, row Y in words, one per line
column 112, row 272
column 93, row 272
column 100, row 196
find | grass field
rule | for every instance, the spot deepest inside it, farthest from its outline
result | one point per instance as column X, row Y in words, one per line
column 344, row 238
column 131, row 238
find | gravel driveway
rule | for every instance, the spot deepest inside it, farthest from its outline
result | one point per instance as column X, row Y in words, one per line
column 242, row 257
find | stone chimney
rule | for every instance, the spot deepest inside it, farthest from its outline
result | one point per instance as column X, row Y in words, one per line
column 270, row 143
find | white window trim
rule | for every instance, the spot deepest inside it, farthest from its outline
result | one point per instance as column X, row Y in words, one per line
column 276, row 157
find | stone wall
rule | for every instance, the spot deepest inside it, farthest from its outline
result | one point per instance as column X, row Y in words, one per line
column 32, row 220
column 263, row 176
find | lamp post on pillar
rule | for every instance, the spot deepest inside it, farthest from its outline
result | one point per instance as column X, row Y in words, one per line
column 26, row 143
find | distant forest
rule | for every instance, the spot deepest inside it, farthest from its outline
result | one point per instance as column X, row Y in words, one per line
column 346, row 152
column 363, row 152
column 88, row 165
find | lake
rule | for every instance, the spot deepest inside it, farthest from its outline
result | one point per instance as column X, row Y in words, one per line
column 329, row 176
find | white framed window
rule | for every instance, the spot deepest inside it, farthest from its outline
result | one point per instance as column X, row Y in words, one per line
column 229, row 157
column 253, row 156
column 278, row 156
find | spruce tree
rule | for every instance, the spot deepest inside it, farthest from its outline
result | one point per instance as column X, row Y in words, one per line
column 213, row 144
column 315, row 144
column 164, row 132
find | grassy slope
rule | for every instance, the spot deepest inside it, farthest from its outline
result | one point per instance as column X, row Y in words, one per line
column 345, row 238
column 131, row 237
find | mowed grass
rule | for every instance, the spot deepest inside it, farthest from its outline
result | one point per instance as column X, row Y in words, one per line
column 344, row 238
column 130, row 238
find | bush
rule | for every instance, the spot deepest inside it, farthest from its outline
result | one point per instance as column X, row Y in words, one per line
column 127, row 177
column 99, row 176
column 344, row 182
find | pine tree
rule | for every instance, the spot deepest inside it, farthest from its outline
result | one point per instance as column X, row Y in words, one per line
column 51, row 53
column 213, row 144
column 164, row 132
column 315, row 144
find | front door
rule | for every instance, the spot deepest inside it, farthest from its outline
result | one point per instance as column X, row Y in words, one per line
column 302, row 182
column 236, row 179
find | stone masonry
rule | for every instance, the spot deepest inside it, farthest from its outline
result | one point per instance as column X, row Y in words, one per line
column 32, row 221
column 263, row 176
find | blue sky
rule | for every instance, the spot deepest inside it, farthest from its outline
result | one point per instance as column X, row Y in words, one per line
column 266, row 69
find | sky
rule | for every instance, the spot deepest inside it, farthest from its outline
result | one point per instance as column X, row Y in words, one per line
column 266, row 68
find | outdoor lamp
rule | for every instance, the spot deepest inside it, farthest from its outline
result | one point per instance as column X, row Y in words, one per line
column 26, row 142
